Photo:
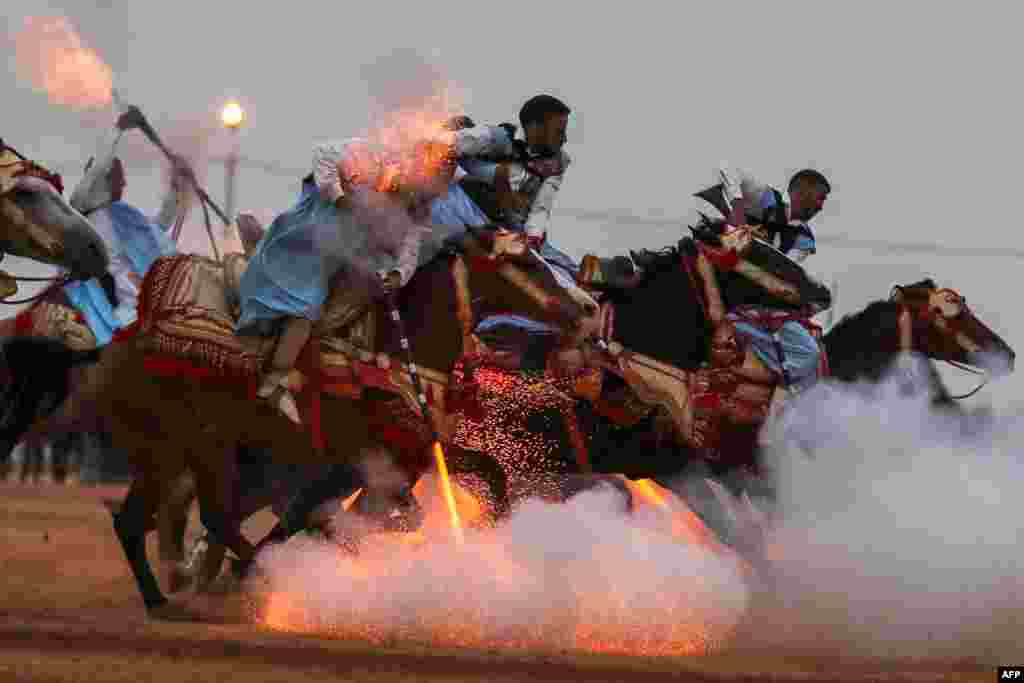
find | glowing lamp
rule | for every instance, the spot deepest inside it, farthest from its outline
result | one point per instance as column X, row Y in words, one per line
column 232, row 115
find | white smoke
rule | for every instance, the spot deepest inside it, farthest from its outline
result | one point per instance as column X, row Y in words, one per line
column 897, row 535
column 900, row 536
column 573, row 576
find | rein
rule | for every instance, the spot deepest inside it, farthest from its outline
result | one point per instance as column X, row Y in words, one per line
column 969, row 369
column 56, row 281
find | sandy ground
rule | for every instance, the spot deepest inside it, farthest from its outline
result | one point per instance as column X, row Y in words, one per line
column 69, row 612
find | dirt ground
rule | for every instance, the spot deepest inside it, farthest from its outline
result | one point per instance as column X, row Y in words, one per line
column 69, row 612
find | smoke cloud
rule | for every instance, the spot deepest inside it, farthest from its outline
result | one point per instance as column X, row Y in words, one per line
column 578, row 576
column 54, row 59
column 900, row 535
column 896, row 535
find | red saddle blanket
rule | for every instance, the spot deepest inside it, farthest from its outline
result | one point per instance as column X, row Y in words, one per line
column 185, row 312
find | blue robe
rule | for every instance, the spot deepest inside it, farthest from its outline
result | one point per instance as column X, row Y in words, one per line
column 139, row 241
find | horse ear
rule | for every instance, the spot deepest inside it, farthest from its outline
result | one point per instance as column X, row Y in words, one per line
column 896, row 294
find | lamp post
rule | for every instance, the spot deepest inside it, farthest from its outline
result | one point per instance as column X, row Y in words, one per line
column 232, row 116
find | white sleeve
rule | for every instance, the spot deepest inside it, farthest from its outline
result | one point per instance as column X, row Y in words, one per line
column 176, row 202
column 538, row 222
column 326, row 157
column 475, row 142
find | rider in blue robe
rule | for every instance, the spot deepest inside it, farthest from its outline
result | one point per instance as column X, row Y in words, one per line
column 353, row 219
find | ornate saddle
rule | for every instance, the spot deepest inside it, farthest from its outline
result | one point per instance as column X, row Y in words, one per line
column 186, row 319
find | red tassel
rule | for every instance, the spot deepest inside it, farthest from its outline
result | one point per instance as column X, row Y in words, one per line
column 23, row 323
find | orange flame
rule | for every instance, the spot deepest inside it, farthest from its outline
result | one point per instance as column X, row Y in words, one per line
column 447, row 492
column 685, row 523
column 51, row 55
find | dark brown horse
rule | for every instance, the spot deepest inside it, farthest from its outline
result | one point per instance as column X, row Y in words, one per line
column 863, row 346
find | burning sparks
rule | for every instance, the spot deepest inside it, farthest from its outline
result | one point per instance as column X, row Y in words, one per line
column 576, row 576
column 51, row 55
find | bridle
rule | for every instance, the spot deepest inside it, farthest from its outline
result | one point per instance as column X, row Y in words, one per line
column 948, row 322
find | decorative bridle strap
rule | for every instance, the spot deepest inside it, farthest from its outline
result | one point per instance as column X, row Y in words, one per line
column 933, row 316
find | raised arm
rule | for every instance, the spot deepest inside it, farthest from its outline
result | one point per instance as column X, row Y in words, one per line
column 178, row 198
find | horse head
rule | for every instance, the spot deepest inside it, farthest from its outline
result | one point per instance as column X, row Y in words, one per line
column 37, row 223
column 938, row 323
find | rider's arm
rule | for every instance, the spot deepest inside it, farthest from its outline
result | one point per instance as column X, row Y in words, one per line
column 480, row 141
column 177, row 202
column 538, row 221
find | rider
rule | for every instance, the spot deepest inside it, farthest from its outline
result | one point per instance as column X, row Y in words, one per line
column 133, row 240
column 513, row 181
column 788, row 351
column 349, row 207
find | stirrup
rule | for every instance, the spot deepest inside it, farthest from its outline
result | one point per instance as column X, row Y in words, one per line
column 282, row 399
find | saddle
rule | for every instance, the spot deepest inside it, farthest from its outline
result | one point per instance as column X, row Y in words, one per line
column 188, row 306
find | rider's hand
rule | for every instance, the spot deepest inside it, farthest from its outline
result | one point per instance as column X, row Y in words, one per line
column 391, row 282
column 739, row 239
column 131, row 118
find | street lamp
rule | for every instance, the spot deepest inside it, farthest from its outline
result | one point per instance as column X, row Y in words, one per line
column 232, row 116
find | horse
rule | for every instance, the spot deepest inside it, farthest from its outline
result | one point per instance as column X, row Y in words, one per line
column 919, row 318
column 860, row 347
column 173, row 413
column 38, row 223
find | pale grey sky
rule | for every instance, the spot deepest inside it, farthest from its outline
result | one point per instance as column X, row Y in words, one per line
column 911, row 108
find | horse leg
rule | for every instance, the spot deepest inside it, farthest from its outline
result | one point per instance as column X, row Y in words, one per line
column 171, row 523
column 130, row 525
column 208, row 554
column 60, row 454
column 340, row 480
column 32, row 461
column 217, row 482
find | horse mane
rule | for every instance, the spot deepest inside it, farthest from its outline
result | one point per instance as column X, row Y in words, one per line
column 665, row 292
column 863, row 343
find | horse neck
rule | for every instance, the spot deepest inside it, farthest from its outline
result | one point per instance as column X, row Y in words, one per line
column 428, row 307
column 663, row 316
column 864, row 346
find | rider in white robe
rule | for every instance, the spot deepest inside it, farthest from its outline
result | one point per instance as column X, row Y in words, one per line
column 133, row 240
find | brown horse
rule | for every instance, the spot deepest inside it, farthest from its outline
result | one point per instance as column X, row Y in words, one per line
column 37, row 223
column 173, row 415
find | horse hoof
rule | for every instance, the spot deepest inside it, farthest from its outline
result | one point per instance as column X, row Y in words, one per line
column 173, row 611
